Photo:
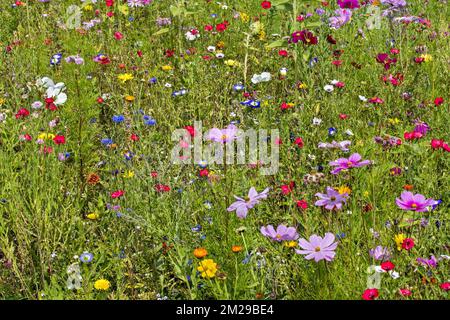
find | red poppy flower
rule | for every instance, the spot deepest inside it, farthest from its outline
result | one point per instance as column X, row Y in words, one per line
column 282, row 53
column 221, row 27
column 370, row 294
column 299, row 142
column 438, row 101
column 117, row 194
column 408, row 244
column 22, row 113
column 387, row 266
column 59, row 139
column 266, row 4
column 302, row 204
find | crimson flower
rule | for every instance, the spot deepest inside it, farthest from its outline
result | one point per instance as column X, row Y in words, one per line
column 266, row 4
column 370, row 294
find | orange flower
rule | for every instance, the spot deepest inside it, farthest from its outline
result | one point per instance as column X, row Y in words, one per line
column 200, row 253
column 236, row 249
column 93, row 179
column 408, row 187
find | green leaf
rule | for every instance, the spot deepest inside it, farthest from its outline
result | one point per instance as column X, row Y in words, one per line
column 161, row 31
column 277, row 43
column 176, row 11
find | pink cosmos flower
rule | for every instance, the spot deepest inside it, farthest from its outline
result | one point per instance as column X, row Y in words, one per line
column 241, row 206
column 354, row 161
column 318, row 248
column 413, row 202
column 224, row 135
column 117, row 194
column 282, row 233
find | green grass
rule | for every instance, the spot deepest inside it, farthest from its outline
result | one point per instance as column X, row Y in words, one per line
column 46, row 200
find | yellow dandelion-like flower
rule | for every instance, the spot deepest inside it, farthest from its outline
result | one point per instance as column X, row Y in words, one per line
column 344, row 189
column 302, row 85
column 124, row 9
column 128, row 174
column 2, row 101
column 394, row 121
column 46, row 136
column 244, row 17
column 262, row 35
column 427, row 57
column 166, row 68
column 290, row 244
column 208, row 268
column 102, row 284
column 88, row 7
column 220, row 45
column 232, row 63
column 399, row 238
column 92, row 216
column 125, row 77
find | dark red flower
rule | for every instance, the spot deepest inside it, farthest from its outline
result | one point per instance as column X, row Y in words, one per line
column 22, row 113
column 266, row 4
column 59, row 139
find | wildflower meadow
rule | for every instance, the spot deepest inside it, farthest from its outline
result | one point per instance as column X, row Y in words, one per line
column 232, row 150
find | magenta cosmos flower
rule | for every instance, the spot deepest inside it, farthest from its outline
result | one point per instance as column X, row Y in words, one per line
column 414, row 202
column 282, row 233
column 318, row 248
column 223, row 136
column 349, row 4
column 241, row 206
column 331, row 200
column 354, row 161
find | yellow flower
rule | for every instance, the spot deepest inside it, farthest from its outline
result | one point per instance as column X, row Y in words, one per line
column 92, row 216
column 265, row 103
column 244, row 17
column 129, row 98
column 125, row 77
column 128, row 174
column 399, row 238
column 2, row 101
column 302, row 85
column 290, row 244
column 102, row 284
column 366, row 193
column 166, row 68
column 208, row 268
column 232, row 63
column 46, row 136
column 344, row 189
column 427, row 57
column 88, row 7
column 262, row 35
column 220, row 45
column 394, row 121
column 124, row 9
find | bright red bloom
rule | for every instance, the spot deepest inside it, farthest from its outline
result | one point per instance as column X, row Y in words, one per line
column 203, row 173
column 287, row 188
column 162, row 188
column 370, row 294
column 436, row 144
column 22, row 113
column 117, row 194
column 405, row 292
column 100, row 100
column 343, row 116
column 285, row 106
column 445, row 286
column 302, row 204
column 190, row 130
column 282, row 53
column 299, row 142
column 387, row 266
column 134, row 137
column 438, row 101
column 408, row 244
column 118, row 35
column 337, row 63
column 266, row 4
column 109, row 3
column 59, row 139
column 221, row 27
column 208, row 27
column 376, row 100
column 110, row 14
column 154, row 174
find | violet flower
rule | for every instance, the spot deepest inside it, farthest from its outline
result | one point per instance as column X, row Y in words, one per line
column 343, row 145
column 354, row 161
column 380, row 253
column 331, row 200
column 282, row 233
column 318, row 248
column 224, row 135
column 241, row 206
column 417, row 202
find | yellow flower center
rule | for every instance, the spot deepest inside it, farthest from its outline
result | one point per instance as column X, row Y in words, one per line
column 317, row 249
column 414, row 205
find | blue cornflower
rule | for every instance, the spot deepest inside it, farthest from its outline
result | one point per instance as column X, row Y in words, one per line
column 251, row 103
column 197, row 228
column 149, row 120
column 238, row 87
column 332, row 131
column 86, row 257
column 118, row 118
column 107, row 141
column 55, row 59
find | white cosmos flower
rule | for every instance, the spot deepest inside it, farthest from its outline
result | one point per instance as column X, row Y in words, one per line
column 328, row 88
column 362, row 98
column 56, row 93
column 334, row 82
column 263, row 77
column 211, row 48
column 394, row 274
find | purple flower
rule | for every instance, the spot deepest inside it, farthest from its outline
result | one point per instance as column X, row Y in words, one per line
column 432, row 262
column 224, row 135
column 318, row 248
column 348, row 4
column 75, row 59
column 394, row 3
column 331, row 200
column 343, row 16
column 282, row 233
column 421, row 127
column 409, row 201
column 241, row 206
column 380, row 253
column 354, row 161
